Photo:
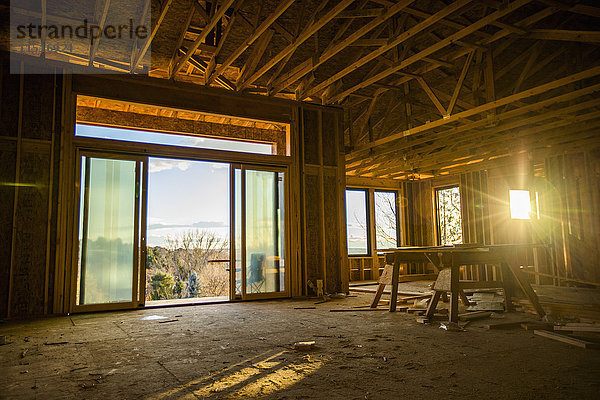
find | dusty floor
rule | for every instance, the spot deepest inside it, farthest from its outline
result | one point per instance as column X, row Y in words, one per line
column 242, row 350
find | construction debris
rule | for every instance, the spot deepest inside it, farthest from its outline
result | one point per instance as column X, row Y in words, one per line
column 578, row 327
column 567, row 339
column 474, row 315
column 505, row 325
column 451, row 327
column 303, row 346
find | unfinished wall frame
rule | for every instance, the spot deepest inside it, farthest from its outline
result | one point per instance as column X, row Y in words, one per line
column 40, row 166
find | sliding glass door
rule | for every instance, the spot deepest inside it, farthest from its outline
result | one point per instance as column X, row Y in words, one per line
column 111, row 243
column 258, row 232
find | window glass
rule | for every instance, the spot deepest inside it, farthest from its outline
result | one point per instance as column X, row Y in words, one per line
column 520, row 204
column 356, row 222
column 448, row 216
column 386, row 220
column 171, row 139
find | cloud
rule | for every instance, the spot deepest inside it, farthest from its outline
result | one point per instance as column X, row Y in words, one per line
column 158, row 165
column 199, row 224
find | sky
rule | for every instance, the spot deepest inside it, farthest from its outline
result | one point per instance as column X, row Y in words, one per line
column 183, row 195
column 186, row 195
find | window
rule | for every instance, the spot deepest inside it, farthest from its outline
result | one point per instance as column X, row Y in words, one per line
column 520, row 204
column 171, row 139
column 386, row 220
column 449, row 220
column 357, row 222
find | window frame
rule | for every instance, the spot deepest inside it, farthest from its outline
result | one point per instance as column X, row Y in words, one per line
column 438, row 234
column 368, row 222
column 396, row 197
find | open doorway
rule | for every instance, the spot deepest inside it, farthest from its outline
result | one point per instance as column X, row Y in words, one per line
column 173, row 216
column 187, row 250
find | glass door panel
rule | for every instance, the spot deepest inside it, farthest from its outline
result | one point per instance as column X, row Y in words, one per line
column 259, row 237
column 109, row 231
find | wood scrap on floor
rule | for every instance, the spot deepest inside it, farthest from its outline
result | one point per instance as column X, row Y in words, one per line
column 468, row 316
column 531, row 326
column 303, row 346
column 575, row 327
column 568, row 339
column 505, row 325
column 482, row 301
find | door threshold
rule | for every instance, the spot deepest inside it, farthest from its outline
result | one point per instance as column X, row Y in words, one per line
column 186, row 302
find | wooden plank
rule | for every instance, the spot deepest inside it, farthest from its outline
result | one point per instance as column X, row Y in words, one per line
column 579, row 328
column 531, row 326
column 394, row 294
column 564, row 35
column 460, row 82
column 142, row 52
column 566, row 339
column 255, row 56
column 95, row 42
column 432, row 96
column 469, row 316
column 505, row 325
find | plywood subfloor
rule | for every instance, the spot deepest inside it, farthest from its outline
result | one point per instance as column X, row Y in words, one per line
column 243, row 351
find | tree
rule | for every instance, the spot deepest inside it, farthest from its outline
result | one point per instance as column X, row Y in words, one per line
column 162, row 286
column 186, row 259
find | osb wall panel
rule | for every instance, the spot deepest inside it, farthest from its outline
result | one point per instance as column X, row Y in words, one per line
column 153, row 122
column 332, row 236
column 10, row 85
column 323, row 183
column 311, row 136
column 8, row 154
column 38, row 95
column 330, row 155
column 28, row 110
column 29, row 265
column 313, row 233
column 572, row 207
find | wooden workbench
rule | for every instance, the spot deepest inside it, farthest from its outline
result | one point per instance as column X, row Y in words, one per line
column 447, row 260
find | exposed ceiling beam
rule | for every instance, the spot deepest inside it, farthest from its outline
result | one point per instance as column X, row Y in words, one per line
column 226, row 4
column 281, row 8
column 95, row 41
column 437, row 46
column 142, row 51
column 453, row 7
column 302, row 37
column 312, row 63
column 594, row 71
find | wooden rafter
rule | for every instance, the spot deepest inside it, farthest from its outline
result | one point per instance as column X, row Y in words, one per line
column 312, row 63
column 139, row 53
column 453, row 7
column 305, row 35
column 486, row 107
column 412, row 141
column 94, row 42
column 212, row 63
column 459, row 84
column 258, row 32
column 255, row 56
column 215, row 18
column 437, row 46
column 432, row 96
